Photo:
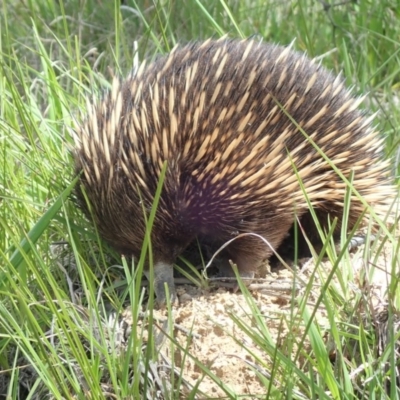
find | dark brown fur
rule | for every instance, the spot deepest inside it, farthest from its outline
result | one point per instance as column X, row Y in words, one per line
column 224, row 116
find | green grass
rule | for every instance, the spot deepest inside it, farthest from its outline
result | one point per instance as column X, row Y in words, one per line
column 55, row 53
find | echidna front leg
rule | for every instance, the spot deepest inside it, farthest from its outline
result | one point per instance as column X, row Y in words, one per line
column 163, row 273
column 247, row 265
column 249, row 252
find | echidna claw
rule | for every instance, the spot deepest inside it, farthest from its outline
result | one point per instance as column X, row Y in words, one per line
column 357, row 241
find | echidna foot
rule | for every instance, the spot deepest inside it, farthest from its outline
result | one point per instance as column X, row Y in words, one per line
column 225, row 269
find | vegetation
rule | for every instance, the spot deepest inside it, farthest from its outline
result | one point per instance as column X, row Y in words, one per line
column 58, row 282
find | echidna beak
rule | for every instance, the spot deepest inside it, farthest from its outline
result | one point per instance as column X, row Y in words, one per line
column 163, row 273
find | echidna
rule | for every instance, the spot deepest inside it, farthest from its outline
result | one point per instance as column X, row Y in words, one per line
column 237, row 123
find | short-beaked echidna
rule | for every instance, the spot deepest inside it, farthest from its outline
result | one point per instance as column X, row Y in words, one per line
column 230, row 118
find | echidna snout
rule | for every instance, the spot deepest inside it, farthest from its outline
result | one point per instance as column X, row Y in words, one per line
column 221, row 114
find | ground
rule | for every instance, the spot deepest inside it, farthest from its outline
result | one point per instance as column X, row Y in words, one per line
column 204, row 323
